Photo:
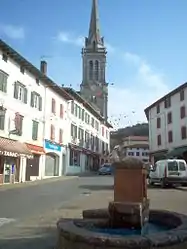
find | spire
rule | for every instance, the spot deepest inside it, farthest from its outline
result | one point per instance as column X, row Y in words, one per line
column 94, row 31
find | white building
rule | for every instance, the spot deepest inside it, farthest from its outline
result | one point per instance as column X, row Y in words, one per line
column 168, row 125
column 21, row 125
column 136, row 146
column 87, row 136
column 31, row 130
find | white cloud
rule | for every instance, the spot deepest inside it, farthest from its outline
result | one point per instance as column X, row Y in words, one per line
column 14, row 32
column 69, row 38
column 145, row 87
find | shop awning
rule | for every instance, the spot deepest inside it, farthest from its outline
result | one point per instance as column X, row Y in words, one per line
column 176, row 152
column 12, row 148
column 35, row 149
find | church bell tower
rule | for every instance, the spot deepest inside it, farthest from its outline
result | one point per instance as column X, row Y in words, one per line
column 94, row 87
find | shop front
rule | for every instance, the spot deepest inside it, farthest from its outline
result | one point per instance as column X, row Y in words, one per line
column 76, row 161
column 12, row 160
column 53, row 159
column 35, row 165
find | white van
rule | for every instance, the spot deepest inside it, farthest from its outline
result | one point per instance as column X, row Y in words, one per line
column 169, row 172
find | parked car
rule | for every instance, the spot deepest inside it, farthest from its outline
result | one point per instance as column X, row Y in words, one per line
column 106, row 169
column 169, row 172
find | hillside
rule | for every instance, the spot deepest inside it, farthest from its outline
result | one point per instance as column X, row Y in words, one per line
column 135, row 130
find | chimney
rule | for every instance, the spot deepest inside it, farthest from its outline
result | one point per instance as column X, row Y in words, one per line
column 43, row 67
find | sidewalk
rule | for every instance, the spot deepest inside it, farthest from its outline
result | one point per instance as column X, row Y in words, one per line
column 34, row 183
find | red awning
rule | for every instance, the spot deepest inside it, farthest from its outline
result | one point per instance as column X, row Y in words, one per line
column 35, row 149
column 12, row 148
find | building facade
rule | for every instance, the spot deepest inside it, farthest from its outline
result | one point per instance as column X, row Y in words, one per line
column 168, row 125
column 136, row 146
column 94, row 87
column 88, row 140
column 21, row 125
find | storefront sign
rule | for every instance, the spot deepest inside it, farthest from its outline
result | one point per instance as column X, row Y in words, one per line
column 10, row 154
column 51, row 146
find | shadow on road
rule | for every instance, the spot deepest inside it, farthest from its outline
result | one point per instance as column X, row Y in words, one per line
column 39, row 239
column 97, row 187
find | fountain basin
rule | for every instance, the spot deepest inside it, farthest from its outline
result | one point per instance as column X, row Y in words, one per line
column 94, row 231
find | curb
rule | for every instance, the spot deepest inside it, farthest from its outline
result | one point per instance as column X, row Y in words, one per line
column 5, row 187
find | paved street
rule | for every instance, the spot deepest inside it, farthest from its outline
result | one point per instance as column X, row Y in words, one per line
column 28, row 214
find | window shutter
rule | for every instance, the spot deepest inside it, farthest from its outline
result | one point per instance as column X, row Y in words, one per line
column 40, row 103
column 34, row 130
column 52, row 137
column 16, row 87
column 32, row 99
column 60, row 136
column 61, row 111
column 25, row 95
column 53, row 106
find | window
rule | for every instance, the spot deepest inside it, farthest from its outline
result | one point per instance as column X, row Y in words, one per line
column 172, row 166
column 4, row 57
column 72, row 107
column 76, row 110
column 159, row 140
column 37, row 81
column 74, row 158
column 158, row 123
column 130, row 153
column 88, row 119
column 183, row 112
column 35, row 130
column 138, row 153
column 103, row 131
column 182, row 166
column 97, row 125
column 167, row 102
column 18, row 123
column 60, row 136
column 22, row 69
column 158, row 108
column 61, row 111
column 170, row 136
column 182, row 95
column 80, row 112
column 53, row 106
column 169, row 117
column 20, row 92
column 36, row 101
column 2, row 119
column 90, row 70
column 96, row 70
column 52, row 133
column 73, row 131
column 81, row 134
column 3, row 81
column 183, row 132
column 92, row 122
column 83, row 114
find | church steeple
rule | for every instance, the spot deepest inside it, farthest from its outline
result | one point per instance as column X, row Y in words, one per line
column 94, row 87
column 94, row 36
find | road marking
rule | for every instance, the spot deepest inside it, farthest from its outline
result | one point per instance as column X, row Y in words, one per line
column 4, row 221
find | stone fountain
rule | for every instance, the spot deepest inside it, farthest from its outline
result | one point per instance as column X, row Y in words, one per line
column 127, row 222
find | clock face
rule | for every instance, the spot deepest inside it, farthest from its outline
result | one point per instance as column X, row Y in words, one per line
column 93, row 87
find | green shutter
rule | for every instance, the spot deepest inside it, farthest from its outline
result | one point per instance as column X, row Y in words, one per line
column 16, row 86
column 32, row 99
column 40, row 103
column 25, row 95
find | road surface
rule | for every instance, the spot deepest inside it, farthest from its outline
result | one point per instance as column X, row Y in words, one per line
column 28, row 215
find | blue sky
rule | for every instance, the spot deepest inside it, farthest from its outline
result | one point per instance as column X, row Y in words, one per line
column 146, row 41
